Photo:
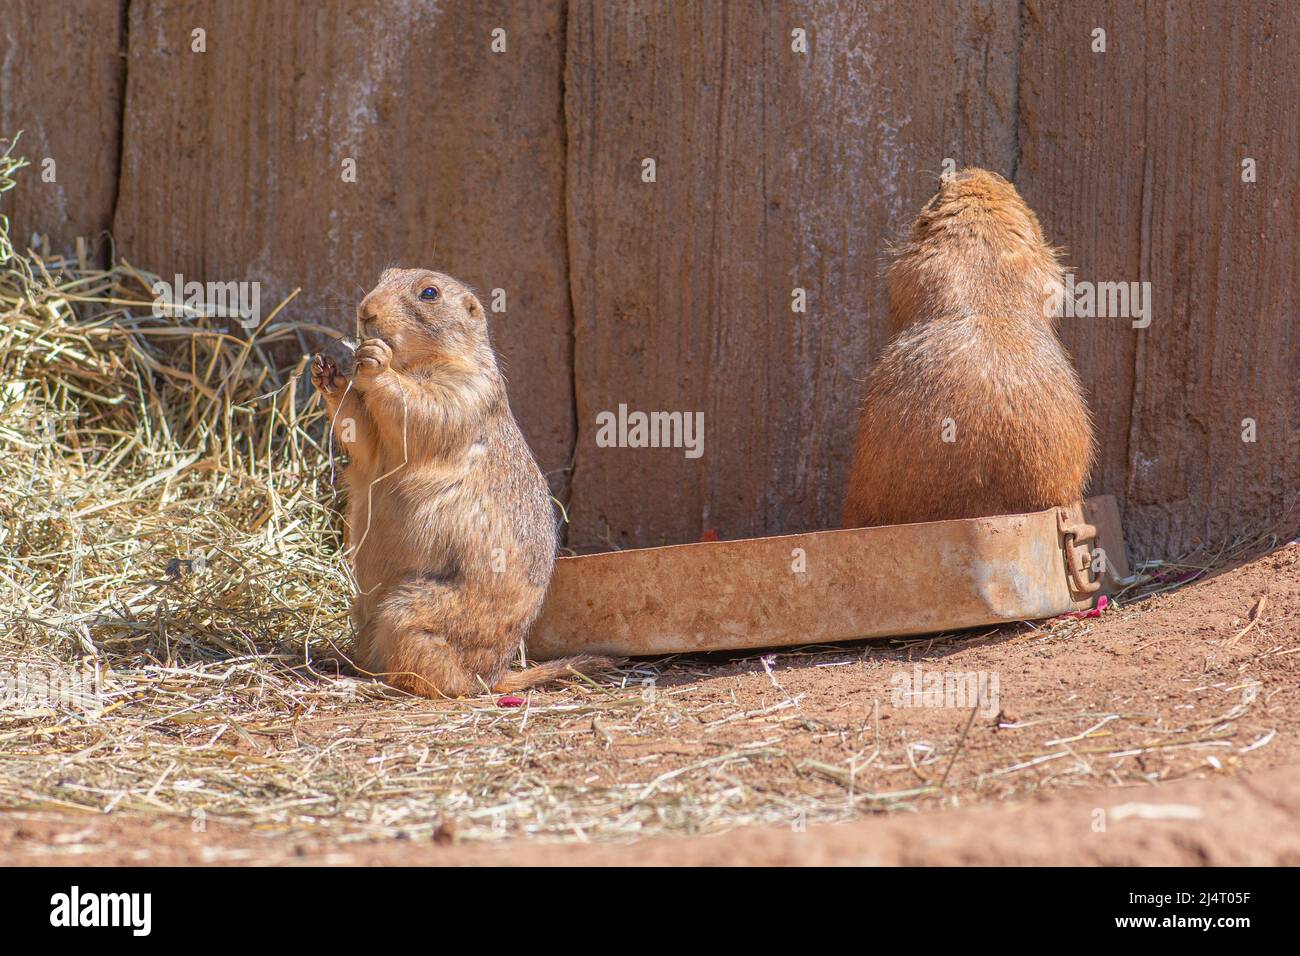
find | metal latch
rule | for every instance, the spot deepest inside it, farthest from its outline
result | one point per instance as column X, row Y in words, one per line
column 1078, row 558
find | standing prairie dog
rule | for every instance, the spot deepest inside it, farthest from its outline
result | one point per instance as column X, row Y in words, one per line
column 450, row 524
column 973, row 408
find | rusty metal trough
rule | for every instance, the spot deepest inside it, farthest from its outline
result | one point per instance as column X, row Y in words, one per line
column 833, row 585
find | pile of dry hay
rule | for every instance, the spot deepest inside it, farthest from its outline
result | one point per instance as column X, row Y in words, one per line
column 163, row 483
column 160, row 483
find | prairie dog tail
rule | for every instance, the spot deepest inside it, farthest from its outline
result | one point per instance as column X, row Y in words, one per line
column 538, row 674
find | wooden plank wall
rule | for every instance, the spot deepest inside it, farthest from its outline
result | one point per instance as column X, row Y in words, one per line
column 62, row 70
column 774, row 170
column 233, row 162
column 1133, row 159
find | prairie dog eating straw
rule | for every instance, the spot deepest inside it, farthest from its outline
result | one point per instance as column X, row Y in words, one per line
column 450, row 523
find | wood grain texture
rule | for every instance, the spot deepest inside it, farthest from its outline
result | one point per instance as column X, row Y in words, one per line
column 775, row 170
column 233, row 164
column 61, row 75
column 1133, row 158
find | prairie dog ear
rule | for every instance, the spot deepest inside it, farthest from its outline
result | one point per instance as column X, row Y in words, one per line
column 471, row 305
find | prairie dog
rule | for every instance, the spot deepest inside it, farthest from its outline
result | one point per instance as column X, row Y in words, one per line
column 450, row 525
column 974, row 407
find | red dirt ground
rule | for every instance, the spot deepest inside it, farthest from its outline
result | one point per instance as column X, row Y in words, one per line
column 1164, row 731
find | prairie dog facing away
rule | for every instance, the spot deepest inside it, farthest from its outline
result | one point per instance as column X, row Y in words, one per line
column 974, row 407
column 450, row 524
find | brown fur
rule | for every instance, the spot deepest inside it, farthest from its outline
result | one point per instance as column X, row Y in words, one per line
column 449, row 521
column 974, row 342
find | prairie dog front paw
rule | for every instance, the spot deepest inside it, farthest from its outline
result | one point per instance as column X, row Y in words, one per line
column 325, row 375
column 374, row 357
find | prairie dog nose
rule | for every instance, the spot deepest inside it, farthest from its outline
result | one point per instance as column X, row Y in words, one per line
column 374, row 305
column 369, row 310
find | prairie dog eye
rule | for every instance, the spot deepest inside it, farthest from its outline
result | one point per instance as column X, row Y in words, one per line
column 429, row 293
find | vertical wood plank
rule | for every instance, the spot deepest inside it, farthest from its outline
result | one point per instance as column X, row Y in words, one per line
column 61, row 76
column 1137, row 154
column 234, row 157
column 774, row 171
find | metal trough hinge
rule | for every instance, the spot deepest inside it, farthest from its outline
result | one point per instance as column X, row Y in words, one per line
column 1078, row 558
